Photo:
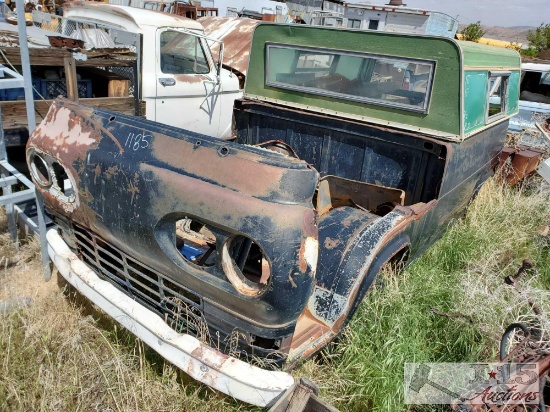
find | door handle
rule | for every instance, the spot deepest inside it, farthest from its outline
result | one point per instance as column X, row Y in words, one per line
column 167, row 81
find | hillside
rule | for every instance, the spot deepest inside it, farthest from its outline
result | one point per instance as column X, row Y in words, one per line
column 515, row 34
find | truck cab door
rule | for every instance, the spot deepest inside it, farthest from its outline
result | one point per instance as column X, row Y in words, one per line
column 187, row 82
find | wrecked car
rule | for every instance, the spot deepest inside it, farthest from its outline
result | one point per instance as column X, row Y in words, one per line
column 534, row 95
column 236, row 258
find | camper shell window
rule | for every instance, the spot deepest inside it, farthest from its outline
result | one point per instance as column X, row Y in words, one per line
column 497, row 95
column 382, row 80
column 354, row 24
column 373, row 24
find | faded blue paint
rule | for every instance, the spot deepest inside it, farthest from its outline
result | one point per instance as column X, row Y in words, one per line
column 513, row 93
column 475, row 100
column 440, row 24
column 524, row 119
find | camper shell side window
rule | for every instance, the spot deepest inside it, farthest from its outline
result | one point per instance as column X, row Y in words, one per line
column 497, row 95
column 397, row 82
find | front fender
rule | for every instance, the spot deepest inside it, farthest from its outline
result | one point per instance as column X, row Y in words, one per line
column 396, row 246
column 348, row 265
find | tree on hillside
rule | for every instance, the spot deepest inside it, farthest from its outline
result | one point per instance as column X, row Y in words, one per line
column 540, row 38
column 473, row 32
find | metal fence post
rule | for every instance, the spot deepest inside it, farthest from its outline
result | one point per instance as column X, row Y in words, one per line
column 31, row 122
column 25, row 62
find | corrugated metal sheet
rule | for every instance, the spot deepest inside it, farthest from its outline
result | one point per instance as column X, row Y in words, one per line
column 236, row 34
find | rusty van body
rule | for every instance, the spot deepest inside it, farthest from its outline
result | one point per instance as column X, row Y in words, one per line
column 236, row 258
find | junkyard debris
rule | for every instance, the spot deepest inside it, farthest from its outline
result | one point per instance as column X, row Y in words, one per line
column 544, row 170
column 515, row 164
column 303, row 396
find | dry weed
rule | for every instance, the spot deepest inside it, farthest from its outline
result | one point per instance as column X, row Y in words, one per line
column 61, row 354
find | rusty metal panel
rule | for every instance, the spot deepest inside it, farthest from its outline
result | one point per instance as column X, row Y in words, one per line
column 348, row 150
column 524, row 163
column 129, row 181
column 337, row 192
column 236, row 34
column 515, row 164
column 140, row 187
column 504, row 155
column 233, row 377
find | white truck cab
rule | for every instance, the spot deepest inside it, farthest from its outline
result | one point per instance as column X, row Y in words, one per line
column 182, row 83
column 534, row 96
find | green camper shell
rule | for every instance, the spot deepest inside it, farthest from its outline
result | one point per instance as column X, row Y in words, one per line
column 431, row 85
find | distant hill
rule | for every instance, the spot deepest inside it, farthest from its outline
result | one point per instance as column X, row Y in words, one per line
column 516, row 33
column 522, row 27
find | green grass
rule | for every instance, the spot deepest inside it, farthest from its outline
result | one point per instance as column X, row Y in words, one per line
column 462, row 273
column 59, row 355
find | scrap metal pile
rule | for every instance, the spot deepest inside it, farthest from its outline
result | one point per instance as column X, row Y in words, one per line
column 532, row 348
column 527, row 152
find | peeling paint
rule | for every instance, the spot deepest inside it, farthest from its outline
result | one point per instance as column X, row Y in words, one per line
column 311, row 252
column 297, row 236
column 331, row 243
column 131, row 201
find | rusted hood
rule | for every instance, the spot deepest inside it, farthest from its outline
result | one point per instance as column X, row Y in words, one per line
column 236, row 33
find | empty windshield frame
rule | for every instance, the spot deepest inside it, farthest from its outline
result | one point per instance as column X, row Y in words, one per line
column 352, row 76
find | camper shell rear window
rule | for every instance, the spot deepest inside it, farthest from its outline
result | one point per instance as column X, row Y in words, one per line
column 375, row 79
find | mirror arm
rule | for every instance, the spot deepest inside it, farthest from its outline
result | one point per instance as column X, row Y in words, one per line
column 220, row 63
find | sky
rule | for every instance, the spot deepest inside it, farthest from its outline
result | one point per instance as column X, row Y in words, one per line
column 489, row 12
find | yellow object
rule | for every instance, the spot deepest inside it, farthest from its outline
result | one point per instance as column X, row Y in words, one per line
column 494, row 42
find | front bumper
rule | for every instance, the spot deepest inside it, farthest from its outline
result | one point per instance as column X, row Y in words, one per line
column 229, row 375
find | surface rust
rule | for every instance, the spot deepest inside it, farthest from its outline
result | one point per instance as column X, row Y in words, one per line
column 236, row 34
column 126, row 187
column 515, row 164
column 382, row 194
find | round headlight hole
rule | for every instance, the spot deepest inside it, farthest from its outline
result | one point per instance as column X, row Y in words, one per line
column 40, row 170
column 246, row 265
column 62, row 178
column 196, row 242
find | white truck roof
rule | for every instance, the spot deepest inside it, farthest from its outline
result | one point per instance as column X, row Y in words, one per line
column 131, row 19
column 536, row 67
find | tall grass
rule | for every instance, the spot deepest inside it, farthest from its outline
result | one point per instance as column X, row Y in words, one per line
column 60, row 355
column 462, row 274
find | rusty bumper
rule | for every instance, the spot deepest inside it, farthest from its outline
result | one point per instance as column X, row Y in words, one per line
column 228, row 375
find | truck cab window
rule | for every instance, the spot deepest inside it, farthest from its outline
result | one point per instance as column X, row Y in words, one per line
column 182, row 53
